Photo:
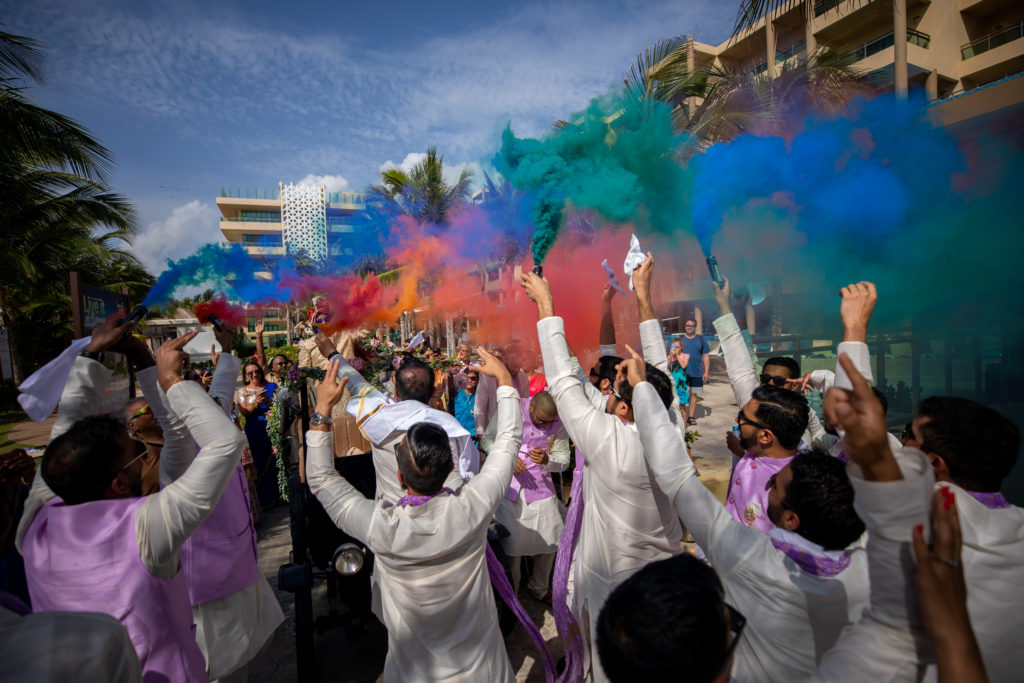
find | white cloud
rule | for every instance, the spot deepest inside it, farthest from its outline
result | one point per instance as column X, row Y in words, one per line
column 180, row 234
column 331, row 183
column 410, row 160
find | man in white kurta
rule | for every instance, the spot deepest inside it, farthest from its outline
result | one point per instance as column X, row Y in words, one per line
column 437, row 599
column 531, row 510
column 230, row 630
column 167, row 518
column 627, row 520
column 798, row 614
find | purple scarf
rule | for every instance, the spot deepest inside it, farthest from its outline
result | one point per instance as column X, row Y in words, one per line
column 812, row 563
column 501, row 583
column 566, row 623
column 993, row 501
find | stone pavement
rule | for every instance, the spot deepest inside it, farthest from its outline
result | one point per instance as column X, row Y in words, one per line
column 362, row 660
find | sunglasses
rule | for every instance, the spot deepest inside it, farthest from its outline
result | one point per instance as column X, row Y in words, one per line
column 737, row 622
column 777, row 380
column 144, row 410
column 689, row 325
column 741, row 418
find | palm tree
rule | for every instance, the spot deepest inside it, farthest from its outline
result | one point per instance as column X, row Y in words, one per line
column 714, row 104
column 423, row 192
column 53, row 180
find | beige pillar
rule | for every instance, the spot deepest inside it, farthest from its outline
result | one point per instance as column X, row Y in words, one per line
column 769, row 39
column 751, row 323
column 931, row 85
column 899, row 40
column 698, row 317
column 809, row 39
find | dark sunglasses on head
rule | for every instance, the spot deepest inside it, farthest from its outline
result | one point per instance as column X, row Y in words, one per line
column 737, row 622
column 777, row 380
column 741, row 418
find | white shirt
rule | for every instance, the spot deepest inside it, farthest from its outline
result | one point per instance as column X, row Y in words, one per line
column 66, row 647
column 627, row 521
column 436, row 595
column 798, row 615
column 231, row 630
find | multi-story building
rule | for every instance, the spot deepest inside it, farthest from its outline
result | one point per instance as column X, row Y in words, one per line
column 951, row 46
column 309, row 219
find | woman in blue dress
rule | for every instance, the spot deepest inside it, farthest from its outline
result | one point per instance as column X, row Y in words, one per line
column 253, row 401
column 677, row 366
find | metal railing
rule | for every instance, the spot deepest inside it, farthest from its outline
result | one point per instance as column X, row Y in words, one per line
column 794, row 49
column 883, row 42
column 986, row 43
column 247, row 193
column 346, row 198
column 251, row 219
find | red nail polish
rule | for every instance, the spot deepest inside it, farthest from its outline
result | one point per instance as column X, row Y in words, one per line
column 945, row 492
column 919, row 529
column 948, row 503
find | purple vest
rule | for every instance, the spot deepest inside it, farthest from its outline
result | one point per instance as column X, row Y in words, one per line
column 535, row 482
column 219, row 558
column 85, row 558
column 747, row 501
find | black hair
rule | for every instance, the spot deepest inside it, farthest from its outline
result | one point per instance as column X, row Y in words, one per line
column 658, row 379
column 427, row 461
column 784, row 362
column 782, row 411
column 821, row 494
column 665, row 623
column 881, row 399
column 414, row 380
column 605, row 368
column 255, row 364
column 978, row 443
column 80, row 463
column 279, row 355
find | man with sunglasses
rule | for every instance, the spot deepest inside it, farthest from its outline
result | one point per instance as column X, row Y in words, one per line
column 775, row 420
column 430, row 543
column 146, row 432
column 92, row 543
column 627, row 521
column 530, row 510
column 801, row 584
column 677, row 616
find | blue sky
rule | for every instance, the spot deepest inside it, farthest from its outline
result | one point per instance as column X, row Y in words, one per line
column 192, row 97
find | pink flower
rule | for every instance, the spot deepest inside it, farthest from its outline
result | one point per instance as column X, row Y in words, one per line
column 375, row 342
column 357, row 364
column 391, row 344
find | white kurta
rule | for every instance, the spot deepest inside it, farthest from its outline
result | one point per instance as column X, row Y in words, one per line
column 535, row 528
column 66, row 647
column 230, row 631
column 437, row 599
column 798, row 615
column 627, row 521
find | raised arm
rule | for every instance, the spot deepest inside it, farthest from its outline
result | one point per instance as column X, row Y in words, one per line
column 261, row 355
column 738, row 364
column 588, row 427
column 169, row 517
column 347, row 507
column 606, row 337
column 496, row 474
column 82, row 396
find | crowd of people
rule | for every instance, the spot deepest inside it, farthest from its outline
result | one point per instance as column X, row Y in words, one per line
column 841, row 552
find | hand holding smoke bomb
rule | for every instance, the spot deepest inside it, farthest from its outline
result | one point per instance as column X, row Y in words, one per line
column 135, row 315
column 217, row 323
column 716, row 274
column 538, row 270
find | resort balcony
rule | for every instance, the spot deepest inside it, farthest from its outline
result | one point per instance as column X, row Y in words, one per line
column 994, row 55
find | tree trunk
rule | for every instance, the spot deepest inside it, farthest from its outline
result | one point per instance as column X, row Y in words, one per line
column 7, row 322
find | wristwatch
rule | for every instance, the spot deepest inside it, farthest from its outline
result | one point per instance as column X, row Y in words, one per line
column 320, row 419
column 92, row 355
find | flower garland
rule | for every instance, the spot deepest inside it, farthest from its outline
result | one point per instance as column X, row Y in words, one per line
column 292, row 382
column 383, row 358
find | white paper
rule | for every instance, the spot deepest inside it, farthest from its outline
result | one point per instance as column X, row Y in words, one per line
column 415, row 341
column 634, row 259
